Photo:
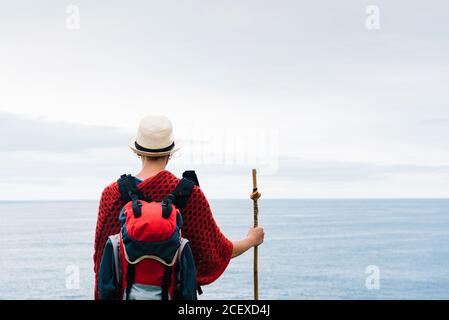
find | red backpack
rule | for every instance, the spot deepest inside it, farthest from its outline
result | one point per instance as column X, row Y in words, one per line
column 149, row 259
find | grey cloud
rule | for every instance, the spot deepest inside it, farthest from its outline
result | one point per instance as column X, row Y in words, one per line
column 350, row 171
column 436, row 122
column 31, row 134
column 25, row 134
column 295, row 169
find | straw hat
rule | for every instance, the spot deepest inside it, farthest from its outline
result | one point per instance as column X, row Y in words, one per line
column 154, row 137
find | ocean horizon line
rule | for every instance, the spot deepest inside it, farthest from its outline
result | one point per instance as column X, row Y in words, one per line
column 234, row 199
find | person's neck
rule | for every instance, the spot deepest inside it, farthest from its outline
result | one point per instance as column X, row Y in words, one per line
column 149, row 170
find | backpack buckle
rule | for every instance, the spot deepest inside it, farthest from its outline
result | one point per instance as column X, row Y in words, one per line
column 167, row 206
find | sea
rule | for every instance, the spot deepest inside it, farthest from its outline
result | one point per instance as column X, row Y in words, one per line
column 313, row 249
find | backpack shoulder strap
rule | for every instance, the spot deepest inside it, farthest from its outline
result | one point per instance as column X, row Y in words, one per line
column 129, row 192
column 184, row 189
column 126, row 188
column 191, row 175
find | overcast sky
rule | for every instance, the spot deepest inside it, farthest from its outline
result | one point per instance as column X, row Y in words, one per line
column 321, row 104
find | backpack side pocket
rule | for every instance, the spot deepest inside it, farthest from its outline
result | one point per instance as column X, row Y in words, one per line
column 109, row 276
column 186, row 285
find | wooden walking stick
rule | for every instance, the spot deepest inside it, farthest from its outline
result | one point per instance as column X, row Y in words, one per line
column 255, row 197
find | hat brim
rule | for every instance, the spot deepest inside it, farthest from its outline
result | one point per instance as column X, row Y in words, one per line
column 132, row 145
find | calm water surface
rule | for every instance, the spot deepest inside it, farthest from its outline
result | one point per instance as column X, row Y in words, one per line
column 314, row 249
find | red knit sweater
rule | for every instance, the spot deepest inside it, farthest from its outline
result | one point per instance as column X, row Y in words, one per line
column 211, row 249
